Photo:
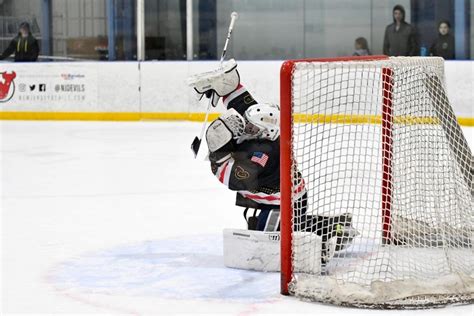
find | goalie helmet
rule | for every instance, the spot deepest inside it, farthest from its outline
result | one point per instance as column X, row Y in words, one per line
column 263, row 121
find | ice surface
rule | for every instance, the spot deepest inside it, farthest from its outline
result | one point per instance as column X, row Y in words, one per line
column 100, row 217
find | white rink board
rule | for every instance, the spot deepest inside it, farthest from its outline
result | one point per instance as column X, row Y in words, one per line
column 460, row 85
column 74, row 87
column 114, row 86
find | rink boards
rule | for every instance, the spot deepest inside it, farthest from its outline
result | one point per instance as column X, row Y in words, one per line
column 133, row 91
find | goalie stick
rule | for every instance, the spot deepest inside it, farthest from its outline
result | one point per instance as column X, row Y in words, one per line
column 197, row 141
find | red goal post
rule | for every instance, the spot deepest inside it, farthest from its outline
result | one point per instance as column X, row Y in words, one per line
column 286, row 119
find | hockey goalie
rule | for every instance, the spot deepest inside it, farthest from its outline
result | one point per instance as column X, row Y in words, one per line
column 244, row 153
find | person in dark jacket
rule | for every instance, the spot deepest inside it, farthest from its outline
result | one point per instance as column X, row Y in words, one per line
column 24, row 45
column 443, row 46
column 400, row 36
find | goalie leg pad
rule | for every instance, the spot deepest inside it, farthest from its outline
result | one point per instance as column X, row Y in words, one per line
column 260, row 251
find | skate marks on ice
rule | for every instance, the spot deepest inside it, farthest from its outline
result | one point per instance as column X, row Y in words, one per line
column 186, row 268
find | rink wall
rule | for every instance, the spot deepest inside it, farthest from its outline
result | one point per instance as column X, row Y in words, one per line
column 154, row 90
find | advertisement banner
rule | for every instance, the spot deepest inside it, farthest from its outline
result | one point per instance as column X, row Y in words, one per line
column 59, row 87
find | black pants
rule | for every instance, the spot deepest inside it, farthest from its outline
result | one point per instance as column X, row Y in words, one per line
column 325, row 226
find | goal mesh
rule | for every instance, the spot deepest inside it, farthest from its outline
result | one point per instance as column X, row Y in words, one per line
column 380, row 150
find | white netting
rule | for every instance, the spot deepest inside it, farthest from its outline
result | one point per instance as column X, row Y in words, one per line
column 425, row 256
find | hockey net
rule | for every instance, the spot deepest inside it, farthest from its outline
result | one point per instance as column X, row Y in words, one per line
column 376, row 140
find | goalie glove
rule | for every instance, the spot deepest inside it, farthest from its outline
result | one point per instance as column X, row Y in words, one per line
column 217, row 83
column 221, row 135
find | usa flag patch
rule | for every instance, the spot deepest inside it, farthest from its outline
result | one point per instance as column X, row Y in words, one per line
column 260, row 158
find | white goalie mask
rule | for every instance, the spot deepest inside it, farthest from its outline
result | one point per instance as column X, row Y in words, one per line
column 263, row 121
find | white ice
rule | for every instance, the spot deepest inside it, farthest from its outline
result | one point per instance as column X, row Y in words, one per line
column 119, row 218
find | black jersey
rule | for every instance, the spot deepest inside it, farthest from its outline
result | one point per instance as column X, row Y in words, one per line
column 254, row 169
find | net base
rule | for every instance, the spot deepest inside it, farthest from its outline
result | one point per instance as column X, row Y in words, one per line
column 410, row 293
column 353, row 295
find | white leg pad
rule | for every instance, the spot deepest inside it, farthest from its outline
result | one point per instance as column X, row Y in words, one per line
column 260, row 251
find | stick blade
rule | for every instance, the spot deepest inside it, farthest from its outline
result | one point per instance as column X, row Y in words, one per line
column 195, row 146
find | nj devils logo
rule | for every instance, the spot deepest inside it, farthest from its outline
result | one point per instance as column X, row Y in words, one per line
column 7, row 86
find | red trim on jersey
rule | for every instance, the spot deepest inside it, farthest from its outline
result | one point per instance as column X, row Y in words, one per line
column 273, row 199
column 258, row 197
column 227, row 95
column 230, row 97
column 300, row 187
column 222, row 174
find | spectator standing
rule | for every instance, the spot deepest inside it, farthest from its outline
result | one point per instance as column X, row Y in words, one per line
column 443, row 46
column 24, row 45
column 400, row 36
column 361, row 47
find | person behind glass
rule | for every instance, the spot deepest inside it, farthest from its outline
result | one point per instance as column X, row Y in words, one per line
column 443, row 46
column 361, row 47
column 400, row 36
column 24, row 45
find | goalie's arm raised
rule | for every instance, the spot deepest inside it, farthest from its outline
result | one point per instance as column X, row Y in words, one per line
column 223, row 82
column 240, row 100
